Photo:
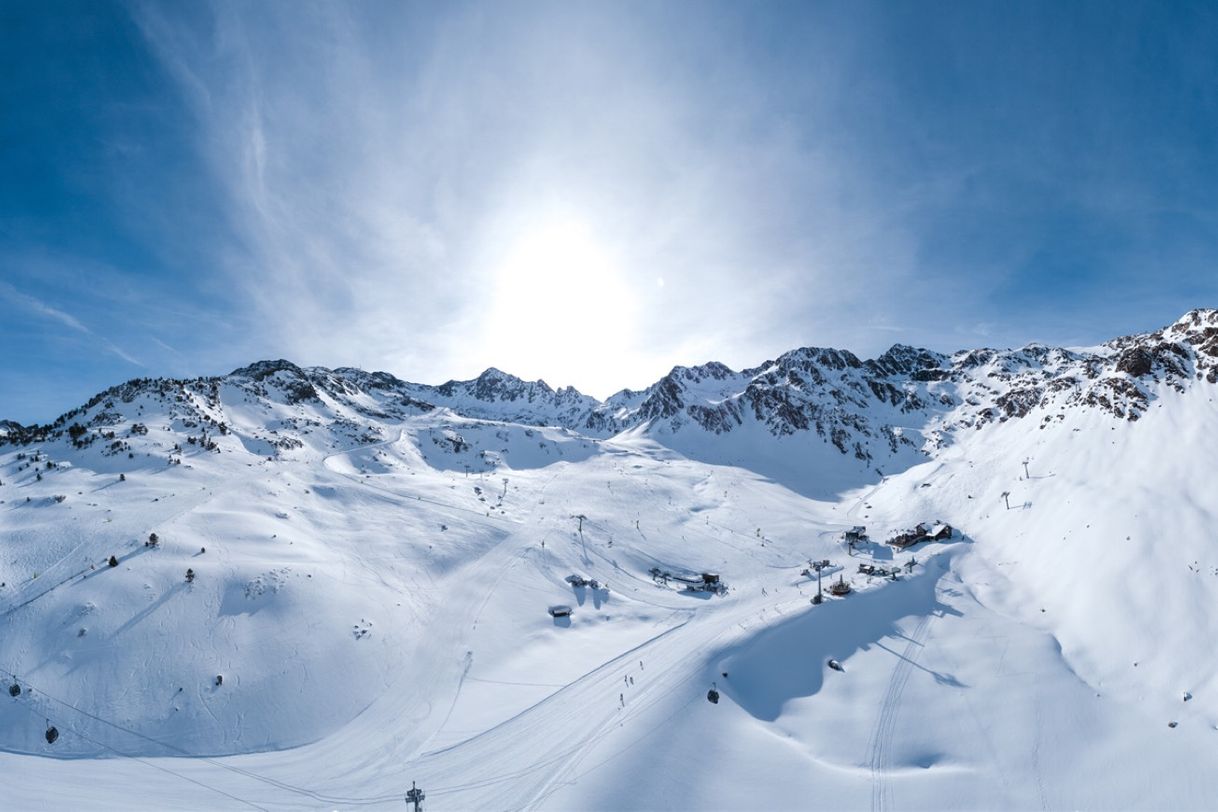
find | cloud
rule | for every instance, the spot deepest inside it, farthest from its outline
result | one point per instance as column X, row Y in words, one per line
column 793, row 176
column 376, row 167
column 41, row 308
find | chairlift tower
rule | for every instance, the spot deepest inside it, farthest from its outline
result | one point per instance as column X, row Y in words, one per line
column 415, row 796
column 820, row 597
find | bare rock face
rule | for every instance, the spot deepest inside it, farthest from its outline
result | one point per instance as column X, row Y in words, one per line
column 1135, row 361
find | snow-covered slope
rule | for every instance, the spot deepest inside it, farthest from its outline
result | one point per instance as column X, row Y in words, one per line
column 373, row 560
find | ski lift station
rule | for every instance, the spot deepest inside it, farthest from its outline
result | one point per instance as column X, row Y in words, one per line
column 701, row 582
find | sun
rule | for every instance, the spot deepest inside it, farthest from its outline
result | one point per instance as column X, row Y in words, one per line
column 562, row 306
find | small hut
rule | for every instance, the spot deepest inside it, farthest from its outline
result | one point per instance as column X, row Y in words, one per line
column 560, row 610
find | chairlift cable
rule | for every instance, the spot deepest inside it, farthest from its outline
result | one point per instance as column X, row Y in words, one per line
column 317, row 796
column 117, row 752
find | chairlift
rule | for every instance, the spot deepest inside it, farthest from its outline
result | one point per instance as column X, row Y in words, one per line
column 52, row 732
column 712, row 695
column 14, row 690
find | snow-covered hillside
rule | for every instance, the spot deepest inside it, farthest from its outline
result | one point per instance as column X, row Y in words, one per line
column 373, row 561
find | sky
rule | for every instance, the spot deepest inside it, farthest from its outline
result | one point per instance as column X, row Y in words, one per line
column 589, row 193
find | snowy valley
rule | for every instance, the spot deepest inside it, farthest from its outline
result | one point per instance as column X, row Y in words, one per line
column 372, row 564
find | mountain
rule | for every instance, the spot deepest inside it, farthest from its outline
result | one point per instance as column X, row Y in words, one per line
column 883, row 413
column 372, row 561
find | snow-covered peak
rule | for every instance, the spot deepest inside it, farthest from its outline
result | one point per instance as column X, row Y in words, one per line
column 877, row 412
column 261, row 370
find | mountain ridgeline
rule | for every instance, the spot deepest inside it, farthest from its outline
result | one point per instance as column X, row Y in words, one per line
column 906, row 403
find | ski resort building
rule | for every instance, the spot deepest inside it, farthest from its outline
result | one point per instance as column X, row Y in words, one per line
column 923, row 532
column 940, row 532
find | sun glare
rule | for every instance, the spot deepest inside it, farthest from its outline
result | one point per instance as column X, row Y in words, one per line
column 562, row 305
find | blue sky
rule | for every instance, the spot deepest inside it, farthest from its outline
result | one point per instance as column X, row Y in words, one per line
column 589, row 192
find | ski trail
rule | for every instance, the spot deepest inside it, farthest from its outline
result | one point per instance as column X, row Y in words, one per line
column 881, row 738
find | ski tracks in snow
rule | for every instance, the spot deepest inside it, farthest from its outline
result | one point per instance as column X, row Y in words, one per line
column 880, row 760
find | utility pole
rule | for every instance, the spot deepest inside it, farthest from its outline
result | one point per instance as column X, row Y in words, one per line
column 415, row 796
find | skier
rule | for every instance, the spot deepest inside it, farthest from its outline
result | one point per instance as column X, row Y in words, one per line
column 190, row 576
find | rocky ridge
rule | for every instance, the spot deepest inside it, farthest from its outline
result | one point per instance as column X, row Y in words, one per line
column 865, row 409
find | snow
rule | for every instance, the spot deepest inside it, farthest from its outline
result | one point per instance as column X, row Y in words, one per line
column 375, row 598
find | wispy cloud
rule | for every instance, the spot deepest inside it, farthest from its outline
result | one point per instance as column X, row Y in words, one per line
column 809, row 174
column 376, row 173
column 41, row 308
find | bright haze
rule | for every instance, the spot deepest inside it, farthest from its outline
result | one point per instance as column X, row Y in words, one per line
column 589, row 193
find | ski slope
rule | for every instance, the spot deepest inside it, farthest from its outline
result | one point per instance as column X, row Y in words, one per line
column 376, row 606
